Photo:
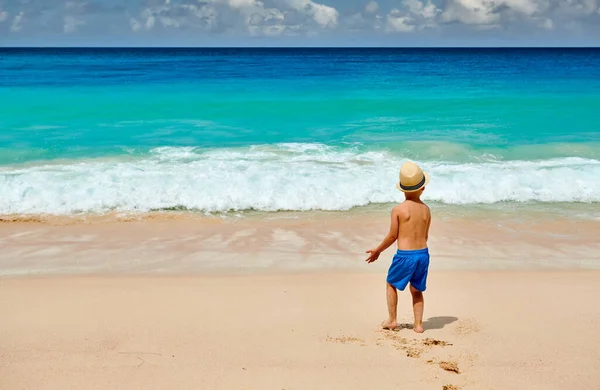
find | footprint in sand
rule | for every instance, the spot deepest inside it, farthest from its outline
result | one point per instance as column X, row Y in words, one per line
column 447, row 365
column 346, row 340
column 413, row 347
column 450, row 366
column 431, row 342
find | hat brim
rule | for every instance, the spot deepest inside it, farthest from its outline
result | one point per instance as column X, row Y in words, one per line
column 415, row 189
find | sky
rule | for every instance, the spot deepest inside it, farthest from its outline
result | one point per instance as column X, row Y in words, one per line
column 300, row 23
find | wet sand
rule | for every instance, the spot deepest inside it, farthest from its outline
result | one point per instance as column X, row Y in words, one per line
column 183, row 244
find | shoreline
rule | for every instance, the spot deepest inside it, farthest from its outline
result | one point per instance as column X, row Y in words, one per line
column 575, row 211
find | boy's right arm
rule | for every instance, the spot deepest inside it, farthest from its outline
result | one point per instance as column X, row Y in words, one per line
column 391, row 237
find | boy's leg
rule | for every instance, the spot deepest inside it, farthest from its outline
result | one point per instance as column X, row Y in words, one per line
column 418, row 305
column 392, row 304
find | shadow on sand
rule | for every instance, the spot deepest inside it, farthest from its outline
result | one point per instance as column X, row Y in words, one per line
column 432, row 323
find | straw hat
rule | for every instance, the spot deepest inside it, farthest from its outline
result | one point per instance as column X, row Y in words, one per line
column 412, row 178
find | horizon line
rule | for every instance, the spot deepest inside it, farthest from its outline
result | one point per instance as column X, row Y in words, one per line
column 297, row 47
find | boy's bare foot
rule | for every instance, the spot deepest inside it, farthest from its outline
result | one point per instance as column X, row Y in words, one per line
column 418, row 328
column 389, row 325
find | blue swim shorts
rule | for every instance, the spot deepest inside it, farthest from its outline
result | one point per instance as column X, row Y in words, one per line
column 409, row 266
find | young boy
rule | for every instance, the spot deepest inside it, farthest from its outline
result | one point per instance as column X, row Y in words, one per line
column 410, row 228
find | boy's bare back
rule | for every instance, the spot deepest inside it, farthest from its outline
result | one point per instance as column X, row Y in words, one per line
column 412, row 219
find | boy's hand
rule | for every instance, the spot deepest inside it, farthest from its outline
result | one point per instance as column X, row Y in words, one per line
column 374, row 255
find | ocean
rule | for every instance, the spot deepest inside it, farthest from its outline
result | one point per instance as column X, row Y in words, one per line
column 94, row 131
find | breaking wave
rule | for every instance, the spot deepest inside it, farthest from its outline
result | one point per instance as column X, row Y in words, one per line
column 280, row 177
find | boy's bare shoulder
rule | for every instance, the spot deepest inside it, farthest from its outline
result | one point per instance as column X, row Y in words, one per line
column 428, row 210
column 399, row 208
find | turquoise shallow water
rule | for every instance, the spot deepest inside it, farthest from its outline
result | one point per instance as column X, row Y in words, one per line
column 97, row 130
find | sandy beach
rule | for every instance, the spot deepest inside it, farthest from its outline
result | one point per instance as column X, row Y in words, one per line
column 500, row 330
column 166, row 301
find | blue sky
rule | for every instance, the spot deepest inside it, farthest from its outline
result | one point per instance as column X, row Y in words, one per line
column 300, row 23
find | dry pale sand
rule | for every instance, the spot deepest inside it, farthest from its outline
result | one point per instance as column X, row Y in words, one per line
column 499, row 329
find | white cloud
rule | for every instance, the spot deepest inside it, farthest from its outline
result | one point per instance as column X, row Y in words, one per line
column 244, row 3
column 496, row 12
column 415, row 15
column 325, row 16
column 368, row 19
column 471, row 12
column 399, row 22
column 525, row 7
column 175, row 16
column 269, row 22
column 17, row 23
column 372, row 7
column 424, row 10
column 256, row 19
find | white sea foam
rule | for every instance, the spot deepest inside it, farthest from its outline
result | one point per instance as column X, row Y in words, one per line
column 281, row 177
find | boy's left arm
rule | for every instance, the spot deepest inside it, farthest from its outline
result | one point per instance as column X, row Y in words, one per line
column 388, row 240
